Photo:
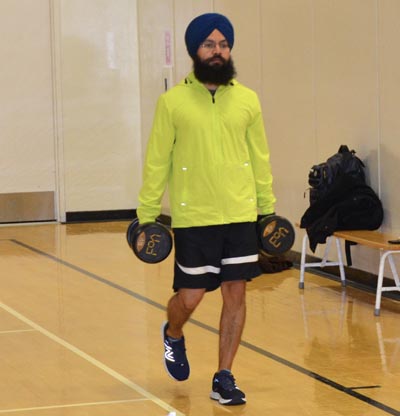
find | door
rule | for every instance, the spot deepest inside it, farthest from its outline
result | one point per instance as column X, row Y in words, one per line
column 27, row 156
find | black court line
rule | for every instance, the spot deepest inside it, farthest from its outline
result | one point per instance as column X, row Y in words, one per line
column 347, row 390
column 364, row 387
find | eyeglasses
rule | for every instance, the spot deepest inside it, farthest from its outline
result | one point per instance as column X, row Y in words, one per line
column 211, row 45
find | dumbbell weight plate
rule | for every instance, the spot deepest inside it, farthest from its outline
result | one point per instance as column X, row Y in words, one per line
column 276, row 234
column 151, row 242
column 129, row 232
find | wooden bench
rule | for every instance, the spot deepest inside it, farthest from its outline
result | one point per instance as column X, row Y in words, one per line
column 372, row 239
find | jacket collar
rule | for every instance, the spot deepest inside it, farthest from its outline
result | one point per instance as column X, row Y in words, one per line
column 192, row 80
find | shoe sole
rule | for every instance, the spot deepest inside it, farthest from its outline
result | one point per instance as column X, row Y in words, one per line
column 226, row 402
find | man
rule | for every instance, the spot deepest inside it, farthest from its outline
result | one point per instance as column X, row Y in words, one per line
column 208, row 143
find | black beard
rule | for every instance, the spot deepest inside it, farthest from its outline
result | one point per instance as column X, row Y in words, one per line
column 214, row 73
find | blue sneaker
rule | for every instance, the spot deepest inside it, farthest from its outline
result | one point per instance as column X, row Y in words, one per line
column 225, row 390
column 175, row 361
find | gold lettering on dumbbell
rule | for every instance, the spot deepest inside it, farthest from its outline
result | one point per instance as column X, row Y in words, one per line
column 152, row 244
column 282, row 232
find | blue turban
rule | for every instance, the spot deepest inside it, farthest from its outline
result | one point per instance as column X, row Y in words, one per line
column 201, row 26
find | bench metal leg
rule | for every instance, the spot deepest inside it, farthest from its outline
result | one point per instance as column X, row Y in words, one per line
column 324, row 261
column 379, row 287
column 379, row 284
column 303, row 261
column 394, row 270
column 340, row 258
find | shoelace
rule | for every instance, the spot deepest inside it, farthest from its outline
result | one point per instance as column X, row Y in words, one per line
column 227, row 381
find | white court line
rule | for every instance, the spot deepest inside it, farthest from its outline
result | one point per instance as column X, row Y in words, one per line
column 61, row 406
column 93, row 361
column 17, row 331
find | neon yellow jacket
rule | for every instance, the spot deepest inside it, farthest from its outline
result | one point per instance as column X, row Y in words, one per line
column 213, row 154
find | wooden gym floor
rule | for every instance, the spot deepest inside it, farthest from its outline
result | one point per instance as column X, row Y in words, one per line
column 80, row 321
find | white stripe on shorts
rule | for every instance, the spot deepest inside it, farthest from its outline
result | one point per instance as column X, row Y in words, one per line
column 199, row 270
column 239, row 260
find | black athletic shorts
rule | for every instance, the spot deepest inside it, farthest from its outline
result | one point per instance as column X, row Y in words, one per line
column 207, row 256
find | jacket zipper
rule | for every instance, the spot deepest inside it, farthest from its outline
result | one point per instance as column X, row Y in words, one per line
column 217, row 140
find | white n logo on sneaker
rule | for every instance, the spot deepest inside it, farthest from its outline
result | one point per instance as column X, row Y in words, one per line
column 169, row 353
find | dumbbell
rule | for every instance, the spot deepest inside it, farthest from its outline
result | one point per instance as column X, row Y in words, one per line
column 275, row 235
column 151, row 242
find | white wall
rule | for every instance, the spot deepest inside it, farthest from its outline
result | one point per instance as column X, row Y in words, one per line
column 26, row 102
column 98, row 103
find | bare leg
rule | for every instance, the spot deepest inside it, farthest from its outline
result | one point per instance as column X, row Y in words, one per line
column 232, row 321
column 180, row 308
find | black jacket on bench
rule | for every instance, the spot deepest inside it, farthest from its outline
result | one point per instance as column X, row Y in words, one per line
column 349, row 205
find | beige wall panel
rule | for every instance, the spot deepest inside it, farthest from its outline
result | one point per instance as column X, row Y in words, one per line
column 26, row 116
column 389, row 147
column 346, row 102
column 288, row 99
column 346, row 78
column 155, row 18
column 389, row 64
column 246, row 52
column 100, row 104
